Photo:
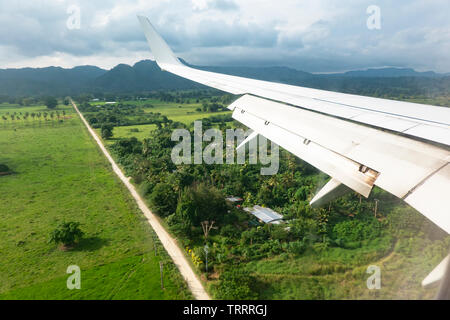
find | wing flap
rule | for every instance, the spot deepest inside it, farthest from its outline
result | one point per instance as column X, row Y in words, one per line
column 432, row 198
column 334, row 164
column 342, row 134
column 405, row 167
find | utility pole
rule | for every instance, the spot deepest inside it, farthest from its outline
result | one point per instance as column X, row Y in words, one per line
column 206, row 249
column 376, row 207
column 161, row 274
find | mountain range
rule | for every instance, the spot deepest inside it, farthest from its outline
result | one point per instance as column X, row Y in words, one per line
column 146, row 76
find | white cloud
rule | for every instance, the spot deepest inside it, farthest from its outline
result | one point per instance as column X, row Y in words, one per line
column 320, row 35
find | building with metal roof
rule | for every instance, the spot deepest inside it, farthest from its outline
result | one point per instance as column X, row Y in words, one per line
column 265, row 215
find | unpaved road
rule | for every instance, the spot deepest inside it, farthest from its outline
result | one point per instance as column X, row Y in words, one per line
column 168, row 242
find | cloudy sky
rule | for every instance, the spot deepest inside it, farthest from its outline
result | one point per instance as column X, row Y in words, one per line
column 315, row 36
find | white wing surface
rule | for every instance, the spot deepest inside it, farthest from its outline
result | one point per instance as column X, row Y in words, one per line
column 359, row 141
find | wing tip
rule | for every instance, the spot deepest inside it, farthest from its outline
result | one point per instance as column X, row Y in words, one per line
column 162, row 52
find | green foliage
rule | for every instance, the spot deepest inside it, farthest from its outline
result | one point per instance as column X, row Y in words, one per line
column 107, row 131
column 236, row 284
column 125, row 147
column 163, row 199
column 406, row 220
column 50, row 102
column 200, row 203
column 296, row 247
column 357, row 230
column 68, row 233
column 4, row 168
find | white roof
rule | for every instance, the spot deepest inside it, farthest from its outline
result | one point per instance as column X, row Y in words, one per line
column 265, row 214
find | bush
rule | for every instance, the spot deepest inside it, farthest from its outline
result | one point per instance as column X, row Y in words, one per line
column 296, row 247
column 163, row 199
column 4, row 168
column 229, row 231
column 235, row 284
column 356, row 230
column 68, row 233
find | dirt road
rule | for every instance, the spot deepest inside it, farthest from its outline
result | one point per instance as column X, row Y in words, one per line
column 168, row 242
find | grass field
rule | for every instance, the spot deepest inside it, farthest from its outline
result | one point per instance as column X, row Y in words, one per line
column 184, row 113
column 338, row 273
column 60, row 175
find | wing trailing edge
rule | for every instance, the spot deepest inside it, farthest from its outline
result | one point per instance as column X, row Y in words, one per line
column 359, row 141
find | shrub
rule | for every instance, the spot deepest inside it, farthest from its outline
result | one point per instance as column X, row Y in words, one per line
column 296, row 247
column 229, row 231
column 68, row 233
column 163, row 199
column 278, row 232
column 356, row 230
column 4, row 168
column 236, row 284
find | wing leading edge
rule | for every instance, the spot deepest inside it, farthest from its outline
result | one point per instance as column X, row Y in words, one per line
column 359, row 141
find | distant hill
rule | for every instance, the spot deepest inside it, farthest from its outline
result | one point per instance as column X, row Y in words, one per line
column 143, row 76
column 391, row 72
column 50, row 80
column 146, row 76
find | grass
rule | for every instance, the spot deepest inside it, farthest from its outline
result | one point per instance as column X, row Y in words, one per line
column 338, row 273
column 60, row 175
column 184, row 113
column 126, row 132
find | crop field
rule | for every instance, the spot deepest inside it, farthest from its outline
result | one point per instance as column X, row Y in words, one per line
column 59, row 175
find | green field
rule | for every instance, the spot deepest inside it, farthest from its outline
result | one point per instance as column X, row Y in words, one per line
column 184, row 113
column 338, row 273
column 60, row 175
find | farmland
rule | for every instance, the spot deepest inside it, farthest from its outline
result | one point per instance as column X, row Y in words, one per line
column 58, row 175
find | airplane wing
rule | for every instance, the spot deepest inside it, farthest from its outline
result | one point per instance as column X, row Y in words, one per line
column 359, row 141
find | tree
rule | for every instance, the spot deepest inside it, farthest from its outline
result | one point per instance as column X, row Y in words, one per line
column 107, row 131
column 200, row 203
column 67, row 233
column 51, row 102
column 163, row 199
